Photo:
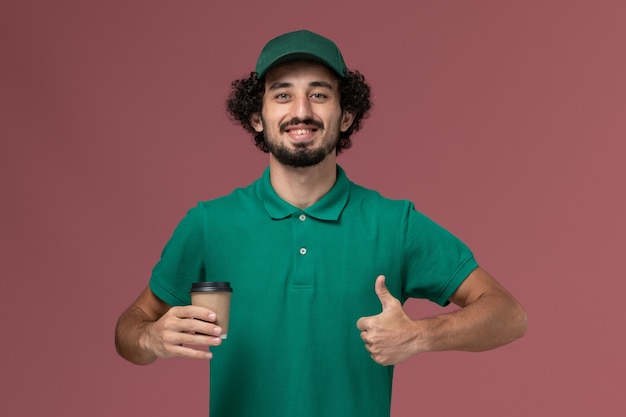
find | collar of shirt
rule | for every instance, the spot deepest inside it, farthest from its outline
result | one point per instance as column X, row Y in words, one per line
column 329, row 207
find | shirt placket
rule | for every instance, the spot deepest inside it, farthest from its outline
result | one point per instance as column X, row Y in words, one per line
column 302, row 251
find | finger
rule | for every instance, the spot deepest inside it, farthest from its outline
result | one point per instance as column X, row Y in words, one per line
column 177, row 325
column 362, row 323
column 385, row 297
column 199, row 339
column 189, row 352
column 174, row 339
column 202, row 327
column 194, row 312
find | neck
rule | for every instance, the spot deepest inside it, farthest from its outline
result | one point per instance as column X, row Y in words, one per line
column 303, row 187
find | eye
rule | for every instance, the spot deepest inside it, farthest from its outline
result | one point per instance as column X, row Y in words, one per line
column 319, row 96
column 282, row 96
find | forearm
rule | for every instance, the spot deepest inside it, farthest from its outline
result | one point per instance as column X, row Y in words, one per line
column 130, row 329
column 492, row 320
column 489, row 317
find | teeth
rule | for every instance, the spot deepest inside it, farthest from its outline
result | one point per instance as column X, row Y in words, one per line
column 301, row 131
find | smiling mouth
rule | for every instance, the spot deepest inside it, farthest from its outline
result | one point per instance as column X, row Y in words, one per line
column 301, row 126
column 300, row 131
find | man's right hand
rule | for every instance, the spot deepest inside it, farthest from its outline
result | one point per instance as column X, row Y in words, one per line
column 176, row 332
column 151, row 329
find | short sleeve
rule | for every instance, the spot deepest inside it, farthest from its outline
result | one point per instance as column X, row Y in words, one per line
column 182, row 261
column 436, row 261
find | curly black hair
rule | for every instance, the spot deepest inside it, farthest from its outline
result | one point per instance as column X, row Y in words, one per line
column 246, row 98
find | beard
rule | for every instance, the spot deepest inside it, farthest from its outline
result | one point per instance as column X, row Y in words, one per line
column 302, row 156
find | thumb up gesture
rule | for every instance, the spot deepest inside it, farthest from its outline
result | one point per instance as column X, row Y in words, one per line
column 391, row 336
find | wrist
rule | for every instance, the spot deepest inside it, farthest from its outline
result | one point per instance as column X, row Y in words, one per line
column 145, row 348
column 425, row 335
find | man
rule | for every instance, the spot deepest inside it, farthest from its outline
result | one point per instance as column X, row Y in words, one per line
column 320, row 266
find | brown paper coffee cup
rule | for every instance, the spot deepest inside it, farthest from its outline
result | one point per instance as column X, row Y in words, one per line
column 216, row 297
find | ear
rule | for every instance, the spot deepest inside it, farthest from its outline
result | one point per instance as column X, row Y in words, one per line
column 257, row 122
column 346, row 120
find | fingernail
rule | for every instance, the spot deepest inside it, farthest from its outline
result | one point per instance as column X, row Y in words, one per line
column 211, row 316
column 217, row 330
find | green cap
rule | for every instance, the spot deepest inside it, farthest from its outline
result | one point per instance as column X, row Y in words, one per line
column 301, row 44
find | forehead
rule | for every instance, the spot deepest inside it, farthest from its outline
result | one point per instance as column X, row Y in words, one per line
column 300, row 72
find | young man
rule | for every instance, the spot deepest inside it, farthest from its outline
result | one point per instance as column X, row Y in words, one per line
column 320, row 266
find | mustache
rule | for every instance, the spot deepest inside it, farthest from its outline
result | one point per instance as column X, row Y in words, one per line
column 295, row 121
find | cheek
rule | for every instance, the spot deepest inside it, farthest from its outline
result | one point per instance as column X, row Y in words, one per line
column 275, row 116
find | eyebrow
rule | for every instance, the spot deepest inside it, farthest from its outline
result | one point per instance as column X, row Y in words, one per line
column 323, row 84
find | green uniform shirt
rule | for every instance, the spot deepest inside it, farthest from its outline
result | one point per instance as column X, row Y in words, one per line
column 301, row 279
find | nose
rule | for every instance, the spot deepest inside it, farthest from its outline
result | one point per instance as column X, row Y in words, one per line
column 301, row 108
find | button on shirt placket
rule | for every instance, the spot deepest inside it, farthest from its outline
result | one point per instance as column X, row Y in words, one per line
column 303, row 271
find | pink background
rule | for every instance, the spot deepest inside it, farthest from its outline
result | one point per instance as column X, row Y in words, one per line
column 502, row 120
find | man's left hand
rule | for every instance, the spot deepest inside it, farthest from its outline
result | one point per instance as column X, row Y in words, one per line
column 389, row 336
